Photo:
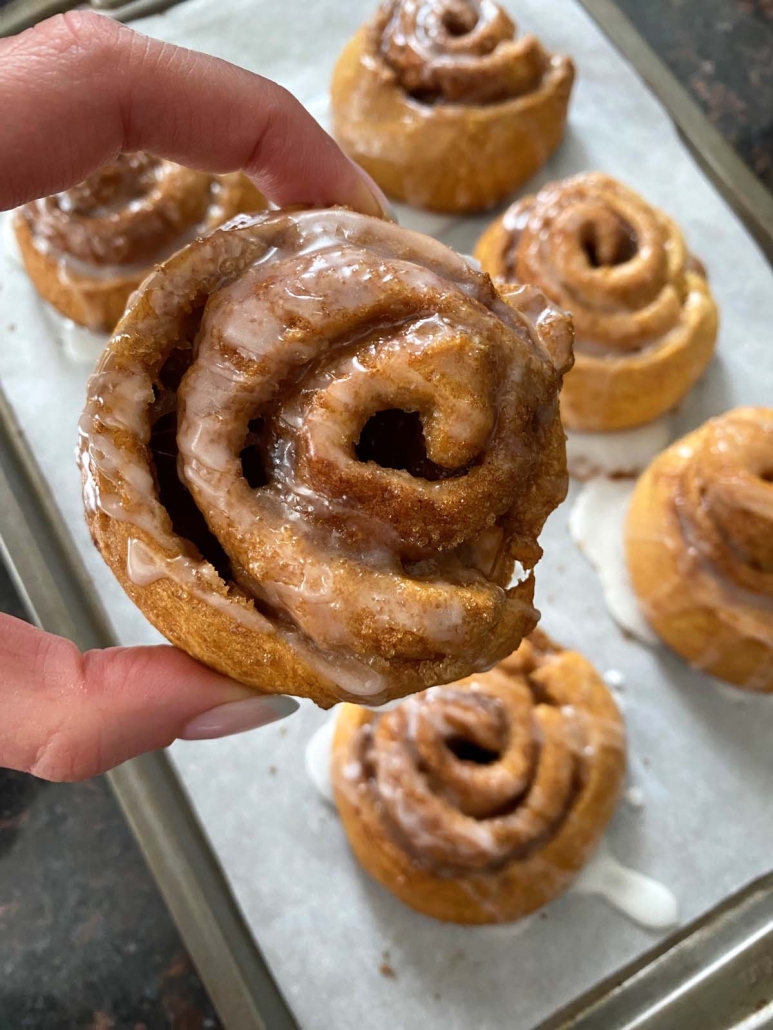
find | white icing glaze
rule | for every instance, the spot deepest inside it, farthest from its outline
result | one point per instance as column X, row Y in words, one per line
column 646, row 901
column 144, row 566
column 620, row 453
column 639, row 897
column 634, row 796
column 10, row 245
column 79, row 344
column 520, row 575
column 317, row 757
column 596, row 525
column 302, row 566
column 614, row 678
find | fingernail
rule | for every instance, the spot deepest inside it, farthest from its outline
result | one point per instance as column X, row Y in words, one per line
column 238, row 716
column 371, row 199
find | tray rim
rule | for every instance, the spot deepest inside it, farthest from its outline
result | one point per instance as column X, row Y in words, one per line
column 57, row 595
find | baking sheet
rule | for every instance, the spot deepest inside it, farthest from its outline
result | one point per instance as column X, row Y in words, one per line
column 701, row 753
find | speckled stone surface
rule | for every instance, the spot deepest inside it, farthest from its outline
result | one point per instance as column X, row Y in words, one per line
column 722, row 51
column 85, row 939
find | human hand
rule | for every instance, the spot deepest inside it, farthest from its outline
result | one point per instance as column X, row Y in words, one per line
column 77, row 90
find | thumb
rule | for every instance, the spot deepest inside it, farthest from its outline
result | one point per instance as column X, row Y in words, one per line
column 68, row 716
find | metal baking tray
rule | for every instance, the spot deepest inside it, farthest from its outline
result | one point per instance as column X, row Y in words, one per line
column 715, row 974
column 21, row 14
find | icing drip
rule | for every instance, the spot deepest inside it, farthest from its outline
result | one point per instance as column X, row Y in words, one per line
column 622, row 453
column 646, row 901
column 596, row 526
column 633, row 894
column 635, row 797
column 79, row 344
column 317, row 757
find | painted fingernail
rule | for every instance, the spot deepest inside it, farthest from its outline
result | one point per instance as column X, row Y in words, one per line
column 238, row 716
column 371, row 199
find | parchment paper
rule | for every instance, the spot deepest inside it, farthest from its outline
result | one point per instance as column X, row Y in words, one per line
column 701, row 753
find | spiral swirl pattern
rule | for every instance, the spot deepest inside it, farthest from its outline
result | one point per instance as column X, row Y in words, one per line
column 136, row 210
column 488, row 779
column 404, row 419
column 643, row 315
column 700, row 546
column 87, row 248
column 445, row 106
column 458, row 51
column 725, row 498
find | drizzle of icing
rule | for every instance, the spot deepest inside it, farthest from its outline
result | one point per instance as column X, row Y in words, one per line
column 10, row 246
column 646, row 901
column 145, row 566
column 394, row 567
column 614, row 678
column 621, row 453
column 635, row 797
column 639, row 897
column 317, row 757
column 79, row 344
column 596, row 526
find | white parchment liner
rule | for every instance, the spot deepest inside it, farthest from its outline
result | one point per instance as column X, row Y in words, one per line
column 701, row 754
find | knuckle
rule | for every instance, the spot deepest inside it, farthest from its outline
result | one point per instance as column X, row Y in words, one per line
column 65, row 757
column 83, row 31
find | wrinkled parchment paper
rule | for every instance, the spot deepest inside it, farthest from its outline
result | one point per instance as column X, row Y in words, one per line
column 701, row 753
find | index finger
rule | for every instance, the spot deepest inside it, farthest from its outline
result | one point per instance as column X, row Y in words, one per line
column 80, row 88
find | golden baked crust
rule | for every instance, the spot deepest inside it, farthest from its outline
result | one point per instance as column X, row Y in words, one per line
column 87, row 249
column 328, row 496
column 645, row 319
column 699, row 544
column 444, row 107
column 479, row 802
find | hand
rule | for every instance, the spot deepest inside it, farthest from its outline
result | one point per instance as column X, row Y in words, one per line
column 77, row 90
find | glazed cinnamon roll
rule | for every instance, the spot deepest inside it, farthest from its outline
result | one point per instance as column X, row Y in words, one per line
column 699, row 544
column 644, row 317
column 88, row 248
column 480, row 801
column 444, row 106
column 318, row 447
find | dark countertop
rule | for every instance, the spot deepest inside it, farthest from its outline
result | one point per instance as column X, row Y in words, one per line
column 85, row 939
column 722, row 52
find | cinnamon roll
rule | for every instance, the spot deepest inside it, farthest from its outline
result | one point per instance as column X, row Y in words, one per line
column 88, row 248
column 318, row 447
column 479, row 802
column 644, row 317
column 444, row 106
column 699, row 545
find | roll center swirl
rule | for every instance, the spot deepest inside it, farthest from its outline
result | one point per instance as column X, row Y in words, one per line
column 725, row 499
column 125, row 213
column 336, row 434
column 458, row 51
column 481, row 773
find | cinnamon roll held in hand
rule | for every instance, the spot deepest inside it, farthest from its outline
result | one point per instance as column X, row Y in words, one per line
column 644, row 317
column 444, row 106
column 88, row 248
column 480, row 801
column 699, row 543
column 316, row 449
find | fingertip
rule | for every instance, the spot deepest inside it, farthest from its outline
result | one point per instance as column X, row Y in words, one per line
column 239, row 716
column 369, row 198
